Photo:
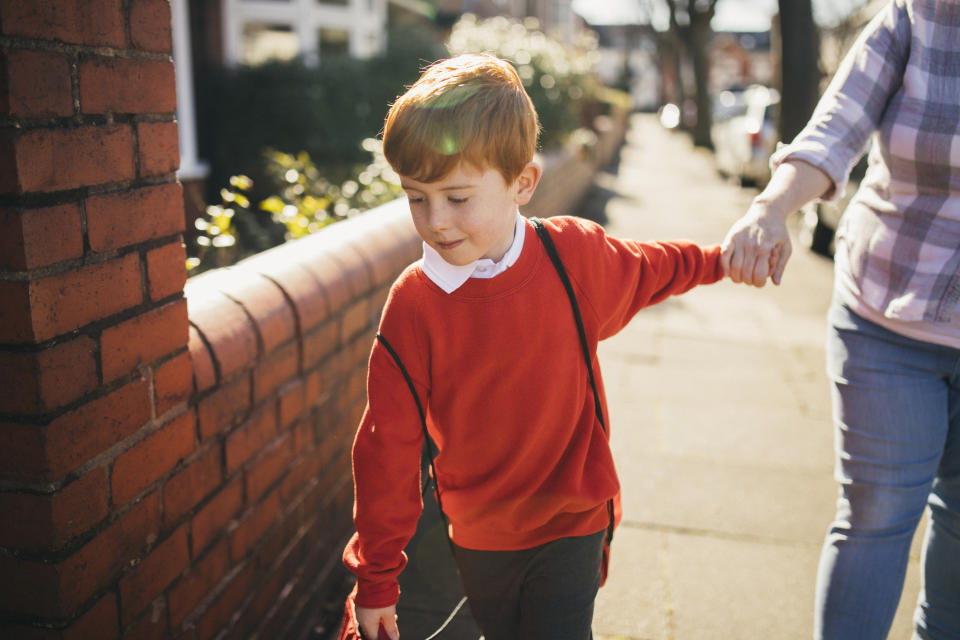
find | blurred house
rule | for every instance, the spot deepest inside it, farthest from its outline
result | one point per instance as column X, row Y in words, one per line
column 740, row 59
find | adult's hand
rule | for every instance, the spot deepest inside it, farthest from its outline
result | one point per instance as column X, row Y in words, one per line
column 371, row 619
column 757, row 246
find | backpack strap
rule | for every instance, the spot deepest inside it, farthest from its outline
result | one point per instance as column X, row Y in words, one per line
column 551, row 249
column 429, row 445
column 565, row 279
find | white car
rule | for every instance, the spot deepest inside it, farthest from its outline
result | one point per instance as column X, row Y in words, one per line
column 744, row 140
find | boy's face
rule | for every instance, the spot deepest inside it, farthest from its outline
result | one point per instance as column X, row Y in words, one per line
column 470, row 213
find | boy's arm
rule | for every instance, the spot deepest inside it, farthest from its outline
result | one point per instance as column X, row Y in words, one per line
column 620, row 277
column 386, row 475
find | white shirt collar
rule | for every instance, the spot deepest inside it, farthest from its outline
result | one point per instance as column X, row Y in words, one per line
column 451, row 277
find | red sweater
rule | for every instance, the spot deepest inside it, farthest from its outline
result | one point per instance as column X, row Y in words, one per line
column 500, row 372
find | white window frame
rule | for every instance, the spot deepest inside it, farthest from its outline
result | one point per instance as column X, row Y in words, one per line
column 191, row 167
column 364, row 20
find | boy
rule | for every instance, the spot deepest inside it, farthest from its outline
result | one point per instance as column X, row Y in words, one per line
column 483, row 327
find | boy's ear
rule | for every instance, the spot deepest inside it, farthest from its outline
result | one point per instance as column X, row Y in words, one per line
column 527, row 182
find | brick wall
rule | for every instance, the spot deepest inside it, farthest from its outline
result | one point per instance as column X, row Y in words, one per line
column 171, row 465
column 174, row 461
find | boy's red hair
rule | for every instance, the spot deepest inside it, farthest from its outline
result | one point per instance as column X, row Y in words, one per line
column 469, row 108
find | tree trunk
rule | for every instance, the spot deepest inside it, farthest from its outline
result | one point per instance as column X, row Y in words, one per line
column 799, row 73
column 700, row 38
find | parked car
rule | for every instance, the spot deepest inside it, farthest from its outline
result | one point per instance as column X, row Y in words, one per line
column 820, row 219
column 744, row 140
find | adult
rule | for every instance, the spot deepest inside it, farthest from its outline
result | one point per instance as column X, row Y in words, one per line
column 893, row 349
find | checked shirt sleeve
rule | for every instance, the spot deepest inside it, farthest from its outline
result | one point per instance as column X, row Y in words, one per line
column 851, row 108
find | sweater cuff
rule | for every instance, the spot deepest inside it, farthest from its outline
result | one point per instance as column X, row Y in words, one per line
column 712, row 254
column 376, row 595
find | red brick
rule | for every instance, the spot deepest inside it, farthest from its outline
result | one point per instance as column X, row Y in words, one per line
column 82, row 433
column 204, row 373
column 291, row 398
column 159, row 147
column 275, row 371
column 356, row 320
column 16, row 322
column 320, row 343
column 268, row 467
column 212, row 519
column 150, row 25
column 166, row 270
column 143, row 339
column 302, row 289
column 191, row 485
column 198, row 582
column 224, row 325
column 93, row 22
column 254, row 523
column 172, row 382
column 131, row 217
column 57, row 590
column 38, row 522
column 152, row 626
column 36, row 382
column 249, row 438
column 42, row 309
column 226, row 604
column 317, row 390
column 39, row 84
column 220, row 411
column 328, row 273
column 55, row 159
column 154, row 573
column 36, row 238
column 125, row 85
column 99, row 623
column 153, row 457
column 265, row 303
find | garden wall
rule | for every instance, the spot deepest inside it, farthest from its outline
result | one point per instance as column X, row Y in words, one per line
column 174, row 459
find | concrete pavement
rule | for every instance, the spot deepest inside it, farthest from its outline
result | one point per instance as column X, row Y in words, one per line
column 720, row 422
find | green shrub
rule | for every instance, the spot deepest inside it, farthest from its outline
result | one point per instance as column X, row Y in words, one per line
column 556, row 76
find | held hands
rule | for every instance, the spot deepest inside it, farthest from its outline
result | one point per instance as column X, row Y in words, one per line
column 757, row 246
column 371, row 619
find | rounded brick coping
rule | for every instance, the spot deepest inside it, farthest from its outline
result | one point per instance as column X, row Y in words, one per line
column 239, row 314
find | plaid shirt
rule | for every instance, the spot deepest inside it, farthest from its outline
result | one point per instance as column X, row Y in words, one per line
column 898, row 245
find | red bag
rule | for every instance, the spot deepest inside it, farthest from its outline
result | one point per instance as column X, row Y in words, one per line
column 350, row 629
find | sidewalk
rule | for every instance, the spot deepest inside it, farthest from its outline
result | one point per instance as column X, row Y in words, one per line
column 720, row 421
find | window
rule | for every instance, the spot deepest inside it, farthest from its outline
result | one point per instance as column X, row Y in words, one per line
column 333, row 43
column 264, row 43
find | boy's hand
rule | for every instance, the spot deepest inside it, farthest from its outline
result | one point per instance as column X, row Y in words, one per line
column 371, row 619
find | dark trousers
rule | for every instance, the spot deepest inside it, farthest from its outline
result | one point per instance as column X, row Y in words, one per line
column 546, row 592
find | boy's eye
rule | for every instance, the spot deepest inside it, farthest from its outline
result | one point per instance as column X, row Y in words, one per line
column 414, row 199
column 457, row 199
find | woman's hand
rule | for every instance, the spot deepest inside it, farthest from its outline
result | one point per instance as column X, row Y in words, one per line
column 371, row 619
column 757, row 246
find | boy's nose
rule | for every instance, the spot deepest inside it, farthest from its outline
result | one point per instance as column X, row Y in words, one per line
column 438, row 218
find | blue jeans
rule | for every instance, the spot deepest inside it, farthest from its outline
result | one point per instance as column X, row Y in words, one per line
column 896, row 408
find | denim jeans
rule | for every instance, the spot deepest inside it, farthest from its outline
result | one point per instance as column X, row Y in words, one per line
column 896, row 409
column 543, row 593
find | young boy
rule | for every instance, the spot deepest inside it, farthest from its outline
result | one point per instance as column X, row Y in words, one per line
column 485, row 330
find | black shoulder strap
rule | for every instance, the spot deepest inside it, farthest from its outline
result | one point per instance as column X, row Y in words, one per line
column 562, row 272
column 430, row 446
